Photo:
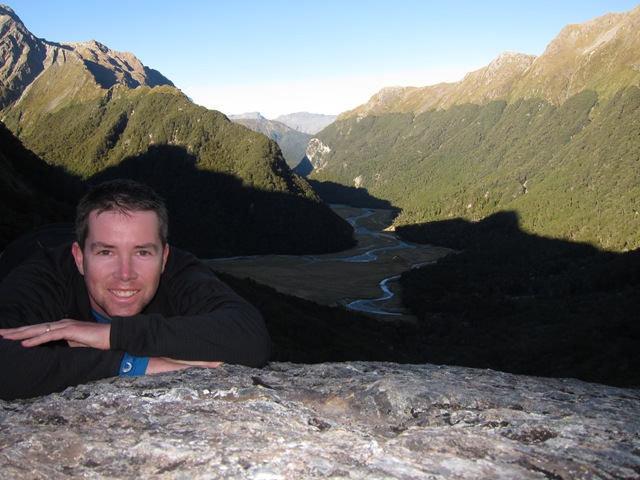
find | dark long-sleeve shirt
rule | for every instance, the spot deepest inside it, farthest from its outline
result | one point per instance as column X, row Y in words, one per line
column 193, row 316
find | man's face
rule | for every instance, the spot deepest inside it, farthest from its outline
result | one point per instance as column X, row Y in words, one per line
column 122, row 261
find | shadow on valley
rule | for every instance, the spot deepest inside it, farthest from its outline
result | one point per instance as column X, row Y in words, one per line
column 507, row 301
column 334, row 193
column 215, row 215
column 211, row 214
column 521, row 303
column 32, row 192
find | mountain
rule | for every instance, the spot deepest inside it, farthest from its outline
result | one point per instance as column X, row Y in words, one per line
column 307, row 122
column 98, row 114
column 247, row 116
column 293, row 143
column 552, row 138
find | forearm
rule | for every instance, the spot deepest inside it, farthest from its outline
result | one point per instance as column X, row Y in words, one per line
column 161, row 365
column 230, row 336
column 30, row 372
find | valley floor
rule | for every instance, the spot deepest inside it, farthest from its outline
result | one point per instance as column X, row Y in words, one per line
column 343, row 277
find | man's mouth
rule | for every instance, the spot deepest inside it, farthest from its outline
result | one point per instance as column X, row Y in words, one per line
column 124, row 293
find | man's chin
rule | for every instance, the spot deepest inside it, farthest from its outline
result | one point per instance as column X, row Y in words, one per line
column 124, row 311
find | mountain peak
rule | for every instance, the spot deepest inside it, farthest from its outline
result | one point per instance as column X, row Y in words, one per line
column 26, row 57
column 306, row 122
column 247, row 116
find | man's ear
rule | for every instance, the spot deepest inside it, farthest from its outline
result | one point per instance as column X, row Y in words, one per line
column 78, row 256
column 165, row 255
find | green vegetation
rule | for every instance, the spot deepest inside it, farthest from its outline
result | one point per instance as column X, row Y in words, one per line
column 570, row 172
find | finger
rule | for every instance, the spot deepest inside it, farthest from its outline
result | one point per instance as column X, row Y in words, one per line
column 198, row 363
column 41, row 339
column 23, row 333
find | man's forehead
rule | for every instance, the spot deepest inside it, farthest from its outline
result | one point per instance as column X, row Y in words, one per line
column 142, row 222
column 124, row 214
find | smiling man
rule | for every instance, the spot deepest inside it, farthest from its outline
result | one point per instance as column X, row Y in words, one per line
column 124, row 260
column 136, row 305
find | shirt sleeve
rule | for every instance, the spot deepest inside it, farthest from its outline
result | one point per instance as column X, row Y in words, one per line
column 35, row 371
column 209, row 322
column 130, row 365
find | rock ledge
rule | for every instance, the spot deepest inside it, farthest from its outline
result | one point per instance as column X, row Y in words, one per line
column 341, row 420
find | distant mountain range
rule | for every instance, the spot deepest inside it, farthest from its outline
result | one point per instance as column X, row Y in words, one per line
column 95, row 114
column 293, row 143
column 292, row 132
column 304, row 122
column 554, row 139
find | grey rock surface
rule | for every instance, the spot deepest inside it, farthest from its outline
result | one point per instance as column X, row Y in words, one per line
column 342, row 420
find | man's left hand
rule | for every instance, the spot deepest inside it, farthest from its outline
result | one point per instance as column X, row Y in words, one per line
column 75, row 332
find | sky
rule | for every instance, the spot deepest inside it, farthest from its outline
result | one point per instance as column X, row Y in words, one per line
column 284, row 56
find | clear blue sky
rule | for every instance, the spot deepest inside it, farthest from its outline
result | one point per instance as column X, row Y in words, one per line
column 285, row 56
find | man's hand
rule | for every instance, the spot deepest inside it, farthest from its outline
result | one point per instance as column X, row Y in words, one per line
column 75, row 332
column 161, row 364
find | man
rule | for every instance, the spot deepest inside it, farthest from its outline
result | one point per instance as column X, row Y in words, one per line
column 134, row 304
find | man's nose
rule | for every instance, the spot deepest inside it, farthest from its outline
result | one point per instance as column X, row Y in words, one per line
column 126, row 270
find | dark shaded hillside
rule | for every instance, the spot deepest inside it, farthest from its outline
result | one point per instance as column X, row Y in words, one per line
column 306, row 332
column 215, row 215
column 521, row 303
column 212, row 214
column 507, row 301
column 32, row 193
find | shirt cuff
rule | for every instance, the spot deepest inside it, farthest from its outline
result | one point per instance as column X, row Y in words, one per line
column 133, row 366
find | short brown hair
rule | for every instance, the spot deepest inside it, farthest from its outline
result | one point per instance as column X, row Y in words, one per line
column 123, row 196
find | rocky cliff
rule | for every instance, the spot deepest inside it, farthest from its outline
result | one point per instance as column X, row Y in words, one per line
column 341, row 420
column 25, row 57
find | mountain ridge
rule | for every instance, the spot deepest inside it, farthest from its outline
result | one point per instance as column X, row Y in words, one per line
column 561, row 71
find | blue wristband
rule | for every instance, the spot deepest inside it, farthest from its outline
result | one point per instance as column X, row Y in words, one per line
column 133, row 366
column 130, row 366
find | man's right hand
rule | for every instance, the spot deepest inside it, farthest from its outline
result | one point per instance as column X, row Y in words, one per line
column 162, row 364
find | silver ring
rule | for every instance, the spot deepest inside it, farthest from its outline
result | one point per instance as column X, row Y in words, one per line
column 48, row 327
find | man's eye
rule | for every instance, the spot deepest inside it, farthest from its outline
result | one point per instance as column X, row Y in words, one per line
column 104, row 252
column 144, row 253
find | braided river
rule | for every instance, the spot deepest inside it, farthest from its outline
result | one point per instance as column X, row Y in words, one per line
column 363, row 278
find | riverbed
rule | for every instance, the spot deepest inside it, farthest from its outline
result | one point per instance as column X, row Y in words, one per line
column 363, row 278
